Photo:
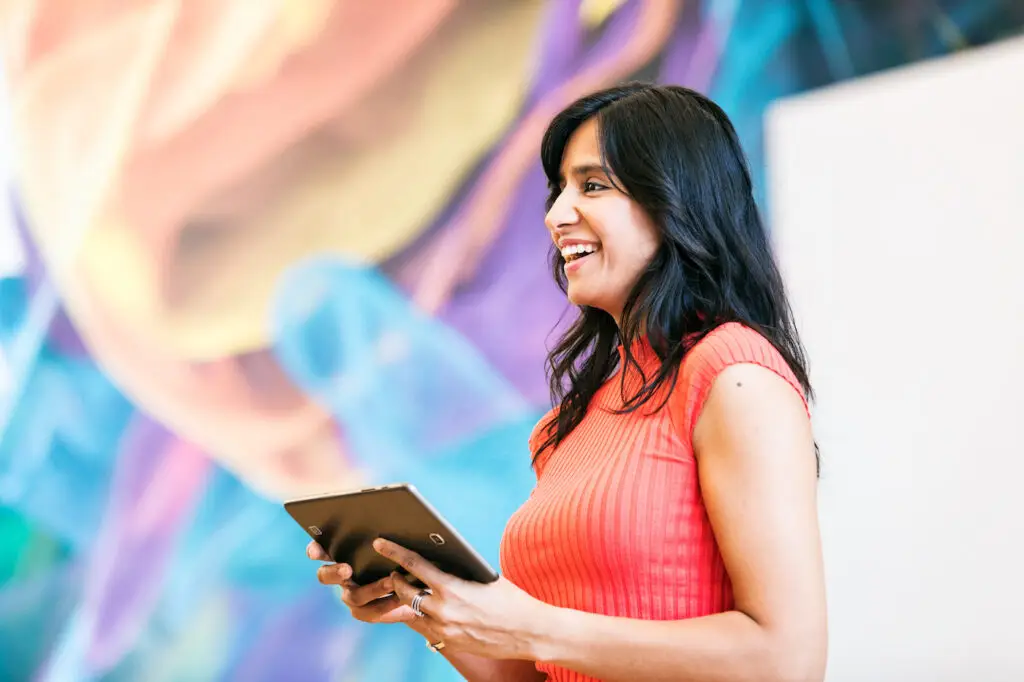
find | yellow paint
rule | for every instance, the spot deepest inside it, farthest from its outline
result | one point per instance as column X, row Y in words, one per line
column 366, row 203
column 593, row 13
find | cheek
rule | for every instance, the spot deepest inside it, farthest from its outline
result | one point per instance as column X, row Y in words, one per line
column 650, row 239
column 630, row 238
column 631, row 255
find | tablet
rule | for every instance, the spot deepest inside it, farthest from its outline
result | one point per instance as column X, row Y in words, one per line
column 346, row 524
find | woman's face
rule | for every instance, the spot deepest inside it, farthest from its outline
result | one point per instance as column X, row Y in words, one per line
column 606, row 238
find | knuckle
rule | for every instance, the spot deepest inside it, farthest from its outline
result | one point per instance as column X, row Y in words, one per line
column 358, row 597
column 449, row 615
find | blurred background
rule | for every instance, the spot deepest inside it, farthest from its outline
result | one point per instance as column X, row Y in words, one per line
column 256, row 249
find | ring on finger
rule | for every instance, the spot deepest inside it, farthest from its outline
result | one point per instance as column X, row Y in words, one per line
column 417, row 601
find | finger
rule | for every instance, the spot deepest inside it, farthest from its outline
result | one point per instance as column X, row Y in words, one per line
column 405, row 592
column 386, row 610
column 427, row 627
column 315, row 552
column 334, row 574
column 416, row 565
column 357, row 596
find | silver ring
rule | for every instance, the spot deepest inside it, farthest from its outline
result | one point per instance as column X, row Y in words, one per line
column 417, row 601
column 435, row 647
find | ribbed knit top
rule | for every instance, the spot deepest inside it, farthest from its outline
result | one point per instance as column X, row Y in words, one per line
column 616, row 524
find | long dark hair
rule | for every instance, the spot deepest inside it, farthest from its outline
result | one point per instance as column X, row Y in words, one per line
column 676, row 154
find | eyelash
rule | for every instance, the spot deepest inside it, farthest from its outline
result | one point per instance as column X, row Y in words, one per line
column 555, row 191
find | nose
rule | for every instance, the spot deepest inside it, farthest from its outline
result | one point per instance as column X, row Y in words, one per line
column 562, row 214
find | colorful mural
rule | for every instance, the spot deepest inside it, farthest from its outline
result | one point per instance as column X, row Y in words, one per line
column 254, row 250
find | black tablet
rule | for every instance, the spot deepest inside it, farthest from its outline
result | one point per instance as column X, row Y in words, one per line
column 346, row 524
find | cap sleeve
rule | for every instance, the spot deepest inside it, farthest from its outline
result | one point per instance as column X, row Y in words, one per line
column 730, row 344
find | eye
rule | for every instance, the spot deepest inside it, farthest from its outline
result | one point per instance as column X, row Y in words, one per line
column 593, row 186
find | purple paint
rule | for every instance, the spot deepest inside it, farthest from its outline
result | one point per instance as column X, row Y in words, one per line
column 708, row 45
column 561, row 43
column 156, row 482
column 511, row 308
column 311, row 625
column 679, row 54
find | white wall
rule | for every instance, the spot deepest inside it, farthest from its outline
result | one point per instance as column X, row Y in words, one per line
column 897, row 204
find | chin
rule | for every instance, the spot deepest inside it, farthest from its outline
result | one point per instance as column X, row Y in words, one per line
column 583, row 298
column 577, row 298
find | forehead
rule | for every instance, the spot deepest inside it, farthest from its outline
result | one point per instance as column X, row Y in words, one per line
column 584, row 146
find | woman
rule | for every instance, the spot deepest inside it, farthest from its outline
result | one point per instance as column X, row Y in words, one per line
column 672, row 533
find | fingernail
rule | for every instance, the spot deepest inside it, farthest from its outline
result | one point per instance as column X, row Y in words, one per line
column 378, row 544
column 345, row 571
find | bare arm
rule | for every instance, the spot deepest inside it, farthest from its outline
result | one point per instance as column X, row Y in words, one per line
column 757, row 473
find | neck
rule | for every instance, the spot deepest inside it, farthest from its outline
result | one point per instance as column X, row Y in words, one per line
column 641, row 329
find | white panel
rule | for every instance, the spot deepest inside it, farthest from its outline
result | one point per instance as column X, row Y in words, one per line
column 897, row 204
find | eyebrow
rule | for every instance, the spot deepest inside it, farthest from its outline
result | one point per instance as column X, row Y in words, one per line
column 586, row 169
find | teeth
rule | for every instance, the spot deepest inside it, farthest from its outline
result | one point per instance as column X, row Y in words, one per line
column 571, row 252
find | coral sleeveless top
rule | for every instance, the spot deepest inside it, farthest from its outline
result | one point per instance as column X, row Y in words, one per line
column 616, row 524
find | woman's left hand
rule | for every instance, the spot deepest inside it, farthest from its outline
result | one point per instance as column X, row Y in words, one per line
column 496, row 620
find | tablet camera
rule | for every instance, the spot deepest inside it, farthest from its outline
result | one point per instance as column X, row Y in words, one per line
column 436, row 539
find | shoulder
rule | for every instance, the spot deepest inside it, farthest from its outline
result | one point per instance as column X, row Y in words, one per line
column 735, row 349
column 731, row 344
column 537, row 436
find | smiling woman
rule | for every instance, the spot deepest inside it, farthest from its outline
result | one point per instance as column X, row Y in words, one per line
column 672, row 533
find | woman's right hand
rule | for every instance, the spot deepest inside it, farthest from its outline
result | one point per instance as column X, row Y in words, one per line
column 373, row 603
